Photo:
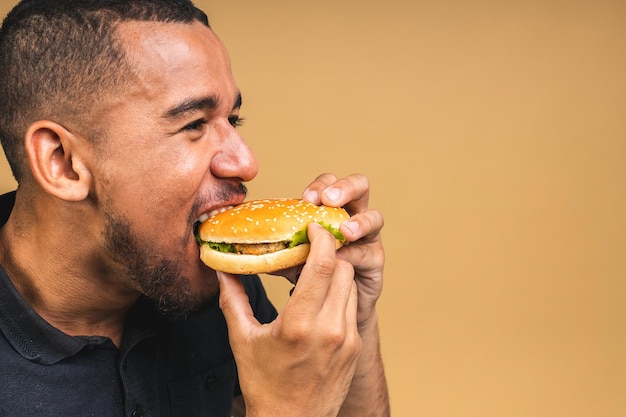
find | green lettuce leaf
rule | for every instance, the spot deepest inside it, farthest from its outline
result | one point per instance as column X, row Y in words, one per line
column 221, row 247
column 299, row 238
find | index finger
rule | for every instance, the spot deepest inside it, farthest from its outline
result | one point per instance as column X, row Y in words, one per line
column 351, row 192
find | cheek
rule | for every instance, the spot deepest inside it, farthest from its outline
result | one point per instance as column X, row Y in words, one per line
column 181, row 179
column 191, row 165
column 174, row 173
column 156, row 199
column 157, row 181
column 174, row 187
column 185, row 159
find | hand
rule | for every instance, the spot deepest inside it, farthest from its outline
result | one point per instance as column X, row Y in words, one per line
column 368, row 395
column 303, row 362
column 365, row 251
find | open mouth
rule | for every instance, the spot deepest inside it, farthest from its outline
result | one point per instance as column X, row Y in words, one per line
column 204, row 216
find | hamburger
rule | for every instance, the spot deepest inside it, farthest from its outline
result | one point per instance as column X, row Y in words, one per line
column 261, row 236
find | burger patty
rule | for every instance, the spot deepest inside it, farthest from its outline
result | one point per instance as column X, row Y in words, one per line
column 259, row 248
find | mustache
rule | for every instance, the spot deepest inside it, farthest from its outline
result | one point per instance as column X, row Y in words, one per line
column 229, row 190
column 226, row 192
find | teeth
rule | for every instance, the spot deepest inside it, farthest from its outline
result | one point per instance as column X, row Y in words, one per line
column 220, row 210
column 205, row 216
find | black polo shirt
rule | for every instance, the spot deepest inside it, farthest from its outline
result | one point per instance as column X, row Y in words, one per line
column 181, row 368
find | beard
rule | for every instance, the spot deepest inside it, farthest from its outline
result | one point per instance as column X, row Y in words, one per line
column 158, row 278
column 155, row 276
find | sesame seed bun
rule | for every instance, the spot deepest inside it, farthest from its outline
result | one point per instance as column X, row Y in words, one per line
column 263, row 231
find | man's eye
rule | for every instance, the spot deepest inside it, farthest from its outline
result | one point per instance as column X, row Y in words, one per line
column 195, row 125
column 235, row 121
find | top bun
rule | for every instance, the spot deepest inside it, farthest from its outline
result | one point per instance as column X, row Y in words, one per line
column 266, row 221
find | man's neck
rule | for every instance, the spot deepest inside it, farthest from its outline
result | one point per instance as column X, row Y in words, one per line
column 53, row 281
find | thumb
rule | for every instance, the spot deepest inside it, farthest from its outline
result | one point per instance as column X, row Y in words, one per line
column 235, row 305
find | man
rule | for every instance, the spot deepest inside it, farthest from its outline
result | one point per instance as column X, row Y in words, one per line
column 118, row 118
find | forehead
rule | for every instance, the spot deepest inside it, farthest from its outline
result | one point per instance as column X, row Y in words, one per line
column 170, row 61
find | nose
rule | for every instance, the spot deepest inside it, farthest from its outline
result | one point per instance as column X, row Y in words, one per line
column 234, row 158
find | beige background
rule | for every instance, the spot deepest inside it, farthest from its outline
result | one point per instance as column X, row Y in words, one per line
column 494, row 134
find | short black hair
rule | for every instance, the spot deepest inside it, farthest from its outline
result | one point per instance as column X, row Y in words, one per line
column 58, row 56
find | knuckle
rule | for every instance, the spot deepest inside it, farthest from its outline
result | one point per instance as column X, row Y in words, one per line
column 296, row 333
column 369, row 254
column 364, row 180
column 325, row 179
column 378, row 217
column 324, row 267
column 356, row 346
column 353, row 341
column 361, row 254
column 374, row 220
column 350, row 347
column 335, row 338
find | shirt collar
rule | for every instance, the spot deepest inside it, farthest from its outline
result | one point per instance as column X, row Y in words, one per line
column 36, row 339
column 29, row 334
column 6, row 206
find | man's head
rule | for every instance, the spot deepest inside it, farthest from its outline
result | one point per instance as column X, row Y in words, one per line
column 124, row 115
column 59, row 57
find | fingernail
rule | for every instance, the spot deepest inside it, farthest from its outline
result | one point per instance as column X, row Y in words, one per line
column 315, row 224
column 312, row 196
column 352, row 226
column 333, row 194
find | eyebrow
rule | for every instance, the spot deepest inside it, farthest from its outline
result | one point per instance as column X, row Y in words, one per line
column 195, row 104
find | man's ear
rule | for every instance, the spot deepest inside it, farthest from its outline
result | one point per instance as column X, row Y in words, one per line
column 57, row 160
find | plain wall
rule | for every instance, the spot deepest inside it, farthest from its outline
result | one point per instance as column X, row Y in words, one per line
column 494, row 135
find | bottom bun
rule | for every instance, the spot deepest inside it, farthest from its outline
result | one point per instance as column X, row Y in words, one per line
column 254, row 264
